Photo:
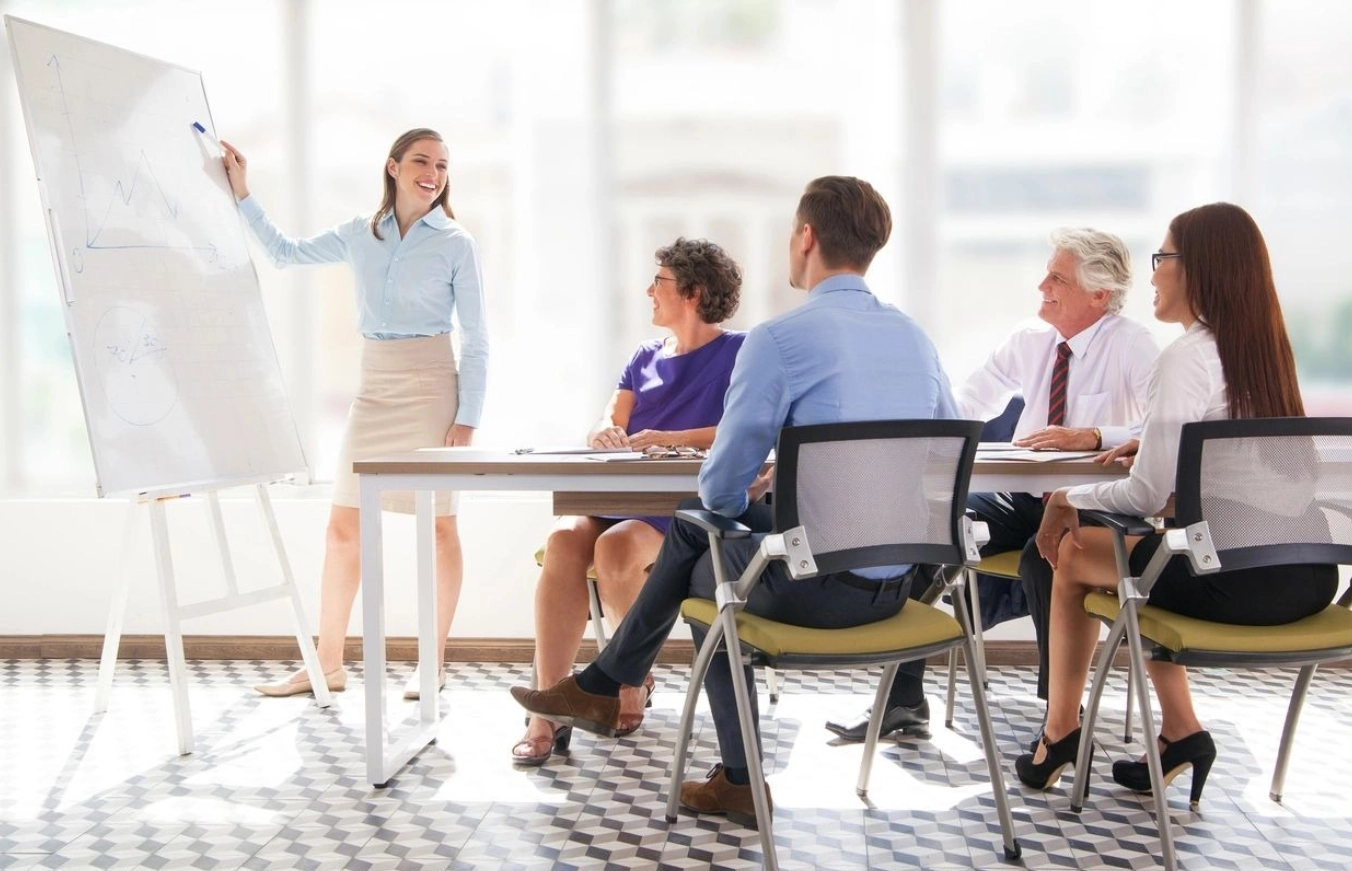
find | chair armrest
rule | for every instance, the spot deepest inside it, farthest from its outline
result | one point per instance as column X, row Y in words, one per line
column 1125, row 524
column 715, row 524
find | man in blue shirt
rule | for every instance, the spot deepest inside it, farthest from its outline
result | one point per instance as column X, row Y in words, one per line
column 842, row 356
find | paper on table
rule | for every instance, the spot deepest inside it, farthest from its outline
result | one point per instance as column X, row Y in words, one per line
column 998, row 446
column 572, row 450
column 1027, row 456
column 627, row 456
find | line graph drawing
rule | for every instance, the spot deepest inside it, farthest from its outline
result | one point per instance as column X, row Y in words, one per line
column 125, row 211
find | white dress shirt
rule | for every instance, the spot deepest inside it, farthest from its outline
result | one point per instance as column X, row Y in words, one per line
column 1187, row 385
column 1109, row 375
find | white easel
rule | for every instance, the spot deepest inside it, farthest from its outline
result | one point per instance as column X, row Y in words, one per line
column 174, row 613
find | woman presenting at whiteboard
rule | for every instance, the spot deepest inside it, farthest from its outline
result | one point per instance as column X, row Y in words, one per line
column 415, row 266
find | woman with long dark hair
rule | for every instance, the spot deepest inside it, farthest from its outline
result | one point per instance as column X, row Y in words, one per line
column 415, row 267
column 1234, row 360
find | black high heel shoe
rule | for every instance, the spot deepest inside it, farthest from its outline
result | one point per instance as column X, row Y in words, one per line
column 1044, row 774
column 1197, row 751
column 538, row 750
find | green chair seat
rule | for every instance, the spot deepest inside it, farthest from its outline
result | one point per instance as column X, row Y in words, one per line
column 1330, row 629
column 916, row 626
column 1004, row 564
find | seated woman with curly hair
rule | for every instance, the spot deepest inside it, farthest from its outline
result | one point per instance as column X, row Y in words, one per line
column 670, row 394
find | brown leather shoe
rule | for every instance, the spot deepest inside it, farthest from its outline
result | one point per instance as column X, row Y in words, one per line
column 718, row 795
column 567, row 704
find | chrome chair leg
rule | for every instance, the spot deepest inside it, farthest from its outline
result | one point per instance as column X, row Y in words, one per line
column 1013, row 851
column 874, row 726
column 697, row 672
column 750, row 740
column 1289, row 731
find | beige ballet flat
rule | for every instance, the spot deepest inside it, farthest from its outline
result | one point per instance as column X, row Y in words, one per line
column 336, row 679
column 412, row 689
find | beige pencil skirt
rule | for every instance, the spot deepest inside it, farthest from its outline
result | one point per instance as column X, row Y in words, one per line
column 407, row 400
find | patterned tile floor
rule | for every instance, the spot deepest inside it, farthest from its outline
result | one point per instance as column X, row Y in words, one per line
column 278, row 784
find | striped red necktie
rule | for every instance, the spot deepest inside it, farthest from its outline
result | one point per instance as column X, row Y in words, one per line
column 1056, row 404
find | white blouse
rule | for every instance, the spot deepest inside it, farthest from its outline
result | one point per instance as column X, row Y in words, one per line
column 1186, row 385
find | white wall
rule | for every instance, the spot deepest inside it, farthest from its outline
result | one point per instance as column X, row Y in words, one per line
column 64, row 555
column 63, row 558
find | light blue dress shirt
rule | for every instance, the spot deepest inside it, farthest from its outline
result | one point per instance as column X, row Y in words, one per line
column 841, row 356
column 406, row 287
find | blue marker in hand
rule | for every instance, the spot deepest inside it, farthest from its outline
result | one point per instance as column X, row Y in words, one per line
column 197, row 125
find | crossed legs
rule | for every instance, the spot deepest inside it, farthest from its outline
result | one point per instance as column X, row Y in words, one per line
column 1074, row 634
column 621, row 553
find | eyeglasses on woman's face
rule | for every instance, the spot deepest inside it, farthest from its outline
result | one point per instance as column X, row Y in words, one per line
column 659, row 278
column 1161, row 255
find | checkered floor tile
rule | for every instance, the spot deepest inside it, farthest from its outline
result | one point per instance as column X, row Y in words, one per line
column 279, row 784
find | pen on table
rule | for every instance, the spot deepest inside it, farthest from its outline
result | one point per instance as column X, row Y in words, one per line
column 523, row 450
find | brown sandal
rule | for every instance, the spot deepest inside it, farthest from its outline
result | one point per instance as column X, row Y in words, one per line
column 630, row 723
column 536, row 751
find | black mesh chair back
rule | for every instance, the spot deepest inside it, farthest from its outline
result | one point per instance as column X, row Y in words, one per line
column 876, row 493
column 1274, row 491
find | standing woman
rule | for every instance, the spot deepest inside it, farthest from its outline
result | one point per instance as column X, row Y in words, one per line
column 415, row 266
column 1234, row 360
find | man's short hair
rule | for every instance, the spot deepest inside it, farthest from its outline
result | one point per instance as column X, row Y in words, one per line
column 1102, row 261
column 849, row 218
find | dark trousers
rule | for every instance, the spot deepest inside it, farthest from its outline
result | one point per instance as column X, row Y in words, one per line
column 684, row 568
column 1013, row 519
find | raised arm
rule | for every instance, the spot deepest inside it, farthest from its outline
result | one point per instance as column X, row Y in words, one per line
column 327, row 247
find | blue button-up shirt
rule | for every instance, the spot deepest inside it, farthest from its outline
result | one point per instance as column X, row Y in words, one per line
column 841, row 356
column 406, row 287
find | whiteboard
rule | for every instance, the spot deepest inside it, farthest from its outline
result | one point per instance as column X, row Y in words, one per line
column 177, row 371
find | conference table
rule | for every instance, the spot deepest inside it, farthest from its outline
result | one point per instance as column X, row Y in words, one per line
column 580, row 484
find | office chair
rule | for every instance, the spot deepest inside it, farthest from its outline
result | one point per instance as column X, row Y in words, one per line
column 847, row 496
column 1249, row 493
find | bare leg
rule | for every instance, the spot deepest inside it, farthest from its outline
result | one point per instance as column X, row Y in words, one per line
column 341, row 578
column 561, row 604
column 338, row 584
column 450, row 574
column 1073, row 632
column 1177, row 717
column 623, row 554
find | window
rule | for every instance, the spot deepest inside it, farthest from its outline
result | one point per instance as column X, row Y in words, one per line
column 585, row 135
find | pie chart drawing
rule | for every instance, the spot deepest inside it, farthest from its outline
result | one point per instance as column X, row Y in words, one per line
column 135, row 367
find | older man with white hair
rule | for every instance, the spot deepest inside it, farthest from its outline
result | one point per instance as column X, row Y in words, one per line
column 1083, row 376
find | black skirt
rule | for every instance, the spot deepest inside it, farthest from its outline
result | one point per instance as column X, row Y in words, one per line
column 1265, row 596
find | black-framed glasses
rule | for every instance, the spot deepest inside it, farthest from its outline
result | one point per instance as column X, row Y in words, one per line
column 1161, row 255
column 659, row 278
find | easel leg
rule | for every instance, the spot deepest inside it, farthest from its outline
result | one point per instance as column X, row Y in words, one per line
column 173, row 634
column 303, row 636
column 112, row 637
